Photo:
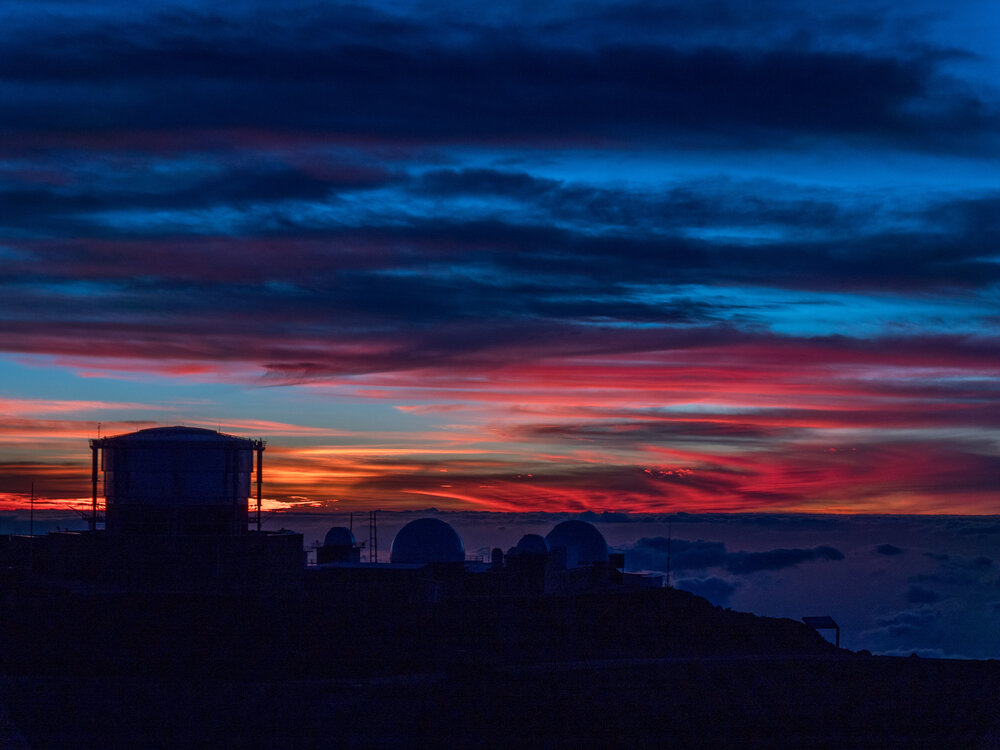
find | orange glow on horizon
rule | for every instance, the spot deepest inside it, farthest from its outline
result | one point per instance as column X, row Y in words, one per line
column 656, row 433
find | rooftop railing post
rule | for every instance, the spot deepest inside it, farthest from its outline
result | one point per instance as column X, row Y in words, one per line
column 260, row 468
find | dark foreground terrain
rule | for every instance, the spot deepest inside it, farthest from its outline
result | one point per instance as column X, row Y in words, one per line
column 660, row 668
column 732, row 703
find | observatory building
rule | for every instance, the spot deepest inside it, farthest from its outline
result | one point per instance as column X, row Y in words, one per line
column 426, row 541
column 531, row 545
column 176, row 518
column 580, row 542
column 176, row 481
column 427, row 562
column 339, row 546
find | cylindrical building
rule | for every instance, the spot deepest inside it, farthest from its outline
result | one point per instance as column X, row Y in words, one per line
column 176, row 481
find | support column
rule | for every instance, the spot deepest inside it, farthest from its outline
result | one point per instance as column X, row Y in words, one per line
column 260, row 468
column 93, row 484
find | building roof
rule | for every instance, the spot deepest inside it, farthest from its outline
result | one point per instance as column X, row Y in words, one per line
column 173, row 434
column 820, row 622
column 427, row 540
column 339, row 536
column 583, row 543
column 532, row 544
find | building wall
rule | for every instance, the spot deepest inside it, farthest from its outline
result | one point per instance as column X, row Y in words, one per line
column 224, row 563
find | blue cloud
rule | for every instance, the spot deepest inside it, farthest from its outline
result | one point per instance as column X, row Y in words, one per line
column 906, row 623
column 652, row 553
column 751, row 562
column 916, row 594
column 889, row 550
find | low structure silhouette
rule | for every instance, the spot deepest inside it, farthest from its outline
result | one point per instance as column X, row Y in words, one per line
column 181, row 625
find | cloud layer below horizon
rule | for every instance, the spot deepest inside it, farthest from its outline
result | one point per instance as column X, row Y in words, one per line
column 586, row 256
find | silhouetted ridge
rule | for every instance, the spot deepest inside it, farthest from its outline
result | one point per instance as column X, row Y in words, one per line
column 301, row 634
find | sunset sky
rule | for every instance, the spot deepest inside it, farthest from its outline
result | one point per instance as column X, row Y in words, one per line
column 698, row 256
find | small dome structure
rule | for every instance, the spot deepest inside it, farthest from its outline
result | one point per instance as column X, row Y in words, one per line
column 427, row 540
column 583, row 543
column 339, row 536
column 532, row 544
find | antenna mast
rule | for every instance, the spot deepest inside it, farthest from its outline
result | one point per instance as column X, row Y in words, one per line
column 669, row 539
column 372, row 536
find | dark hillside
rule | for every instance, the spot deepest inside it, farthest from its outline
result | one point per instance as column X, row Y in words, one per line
column 646, row 668
column 732, row 702
column 306, row 636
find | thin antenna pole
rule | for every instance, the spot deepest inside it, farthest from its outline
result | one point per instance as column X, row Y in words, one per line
column 669, row 539
column 31, row 513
